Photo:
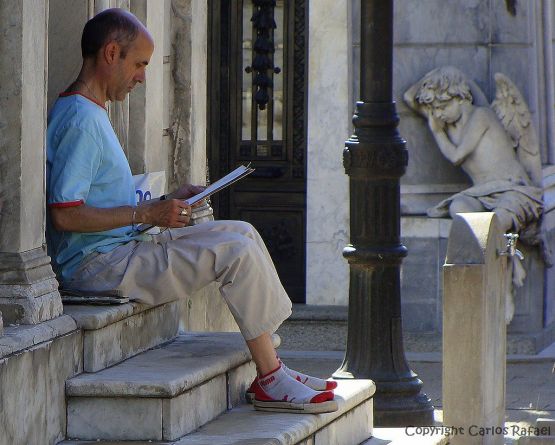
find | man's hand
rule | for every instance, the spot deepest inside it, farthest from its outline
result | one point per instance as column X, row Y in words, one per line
column 168, row 213
column 187, row 191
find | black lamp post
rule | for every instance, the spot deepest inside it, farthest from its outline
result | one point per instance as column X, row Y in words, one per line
column 375, row 157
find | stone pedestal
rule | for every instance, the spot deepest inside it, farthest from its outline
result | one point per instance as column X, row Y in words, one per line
column 27, row 283
column 474, row 336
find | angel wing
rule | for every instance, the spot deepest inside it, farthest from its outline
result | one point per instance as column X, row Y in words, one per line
column 512, row 111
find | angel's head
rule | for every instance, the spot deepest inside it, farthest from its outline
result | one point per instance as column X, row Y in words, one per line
column 444, row 91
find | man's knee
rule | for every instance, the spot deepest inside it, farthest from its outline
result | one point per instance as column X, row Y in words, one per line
column 243, row 227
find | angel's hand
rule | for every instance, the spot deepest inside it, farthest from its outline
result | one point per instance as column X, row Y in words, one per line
column 435, row 124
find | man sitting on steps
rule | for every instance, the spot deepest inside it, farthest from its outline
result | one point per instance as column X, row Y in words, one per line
column 92, row 220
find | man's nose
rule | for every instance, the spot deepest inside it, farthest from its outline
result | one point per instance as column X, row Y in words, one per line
column 141, row 76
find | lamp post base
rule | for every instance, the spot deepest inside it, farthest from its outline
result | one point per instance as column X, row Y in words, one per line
column 397, row 403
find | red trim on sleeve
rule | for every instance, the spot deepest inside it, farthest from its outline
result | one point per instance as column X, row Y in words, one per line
column 73, row 93
column 67, row 204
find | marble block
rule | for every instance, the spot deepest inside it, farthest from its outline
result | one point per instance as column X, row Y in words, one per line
column 474, row 330
column 446, row 21
column 32, row 399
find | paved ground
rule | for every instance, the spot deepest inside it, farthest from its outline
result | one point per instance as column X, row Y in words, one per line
column 530, row 386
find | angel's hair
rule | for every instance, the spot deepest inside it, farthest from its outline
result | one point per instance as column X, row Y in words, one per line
column 443, row 84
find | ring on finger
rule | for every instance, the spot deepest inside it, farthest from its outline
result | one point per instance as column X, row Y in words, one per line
column 184, row 212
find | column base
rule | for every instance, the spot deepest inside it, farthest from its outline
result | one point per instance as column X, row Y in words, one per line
column 28, row 288
column 414, row 410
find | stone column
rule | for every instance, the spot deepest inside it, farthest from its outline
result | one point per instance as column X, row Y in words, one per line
column 329, row 110
column 189, row 65
column 28, row 287
column 146, row 101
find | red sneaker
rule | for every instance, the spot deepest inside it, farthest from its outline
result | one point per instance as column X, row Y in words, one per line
column 330, row 385
column 321, row 403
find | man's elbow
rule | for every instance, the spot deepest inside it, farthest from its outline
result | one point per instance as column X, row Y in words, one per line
column 61, row 219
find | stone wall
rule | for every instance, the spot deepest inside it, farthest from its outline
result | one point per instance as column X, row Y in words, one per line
column 35, row 362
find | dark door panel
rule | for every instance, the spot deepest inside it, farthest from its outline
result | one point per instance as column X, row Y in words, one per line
column 257, row 114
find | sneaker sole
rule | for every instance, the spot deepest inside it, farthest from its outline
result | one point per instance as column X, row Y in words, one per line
column 301, row 408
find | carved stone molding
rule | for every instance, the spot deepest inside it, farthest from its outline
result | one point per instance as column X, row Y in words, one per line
column 28, row 288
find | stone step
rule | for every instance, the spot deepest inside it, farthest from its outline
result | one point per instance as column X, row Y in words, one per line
column 163, row 393
column 404, row 436
column 114, row 333
column 350, row 425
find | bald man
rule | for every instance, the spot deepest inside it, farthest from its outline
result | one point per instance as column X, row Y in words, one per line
column 92, row 219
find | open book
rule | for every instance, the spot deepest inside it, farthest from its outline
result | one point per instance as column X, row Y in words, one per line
column 234, row 176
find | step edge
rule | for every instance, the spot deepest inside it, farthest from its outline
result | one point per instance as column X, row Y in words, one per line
column 91, row 317
column 81, row 386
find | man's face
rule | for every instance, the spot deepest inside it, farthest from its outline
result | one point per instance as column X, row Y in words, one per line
column 131, row 70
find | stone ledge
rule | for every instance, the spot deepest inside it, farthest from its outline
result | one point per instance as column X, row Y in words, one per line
column 166, row 371
column 114, row 333
column 90, row 317
column 22, row 337
column 350, row 425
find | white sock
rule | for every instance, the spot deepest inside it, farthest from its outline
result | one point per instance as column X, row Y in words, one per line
column 279, row 386
column 312, row 382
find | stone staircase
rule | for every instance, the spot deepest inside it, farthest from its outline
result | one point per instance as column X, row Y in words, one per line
column 146, row 383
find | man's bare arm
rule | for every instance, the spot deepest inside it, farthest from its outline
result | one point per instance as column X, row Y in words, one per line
column 85, row 218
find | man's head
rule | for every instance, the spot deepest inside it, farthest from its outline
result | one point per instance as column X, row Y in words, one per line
column 109, row 25
column 117, row 46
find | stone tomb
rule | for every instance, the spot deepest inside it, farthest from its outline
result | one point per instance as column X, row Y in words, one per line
column 533, row 325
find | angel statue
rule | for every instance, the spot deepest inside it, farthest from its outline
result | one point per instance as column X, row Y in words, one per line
column 496, row 146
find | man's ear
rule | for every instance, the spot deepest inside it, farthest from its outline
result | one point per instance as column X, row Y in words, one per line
column 111, row 52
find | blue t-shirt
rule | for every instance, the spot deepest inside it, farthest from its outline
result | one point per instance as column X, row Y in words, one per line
column 85, row 164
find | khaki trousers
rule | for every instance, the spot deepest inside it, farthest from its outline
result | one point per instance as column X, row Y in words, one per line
column 178, row 262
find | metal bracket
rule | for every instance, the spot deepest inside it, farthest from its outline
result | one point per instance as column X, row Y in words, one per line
column 510, row 248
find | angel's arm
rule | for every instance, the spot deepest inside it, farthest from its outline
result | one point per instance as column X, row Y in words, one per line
column 474, row 132
column 410, row 99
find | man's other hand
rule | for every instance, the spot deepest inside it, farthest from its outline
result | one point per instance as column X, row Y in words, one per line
column 186, row 191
